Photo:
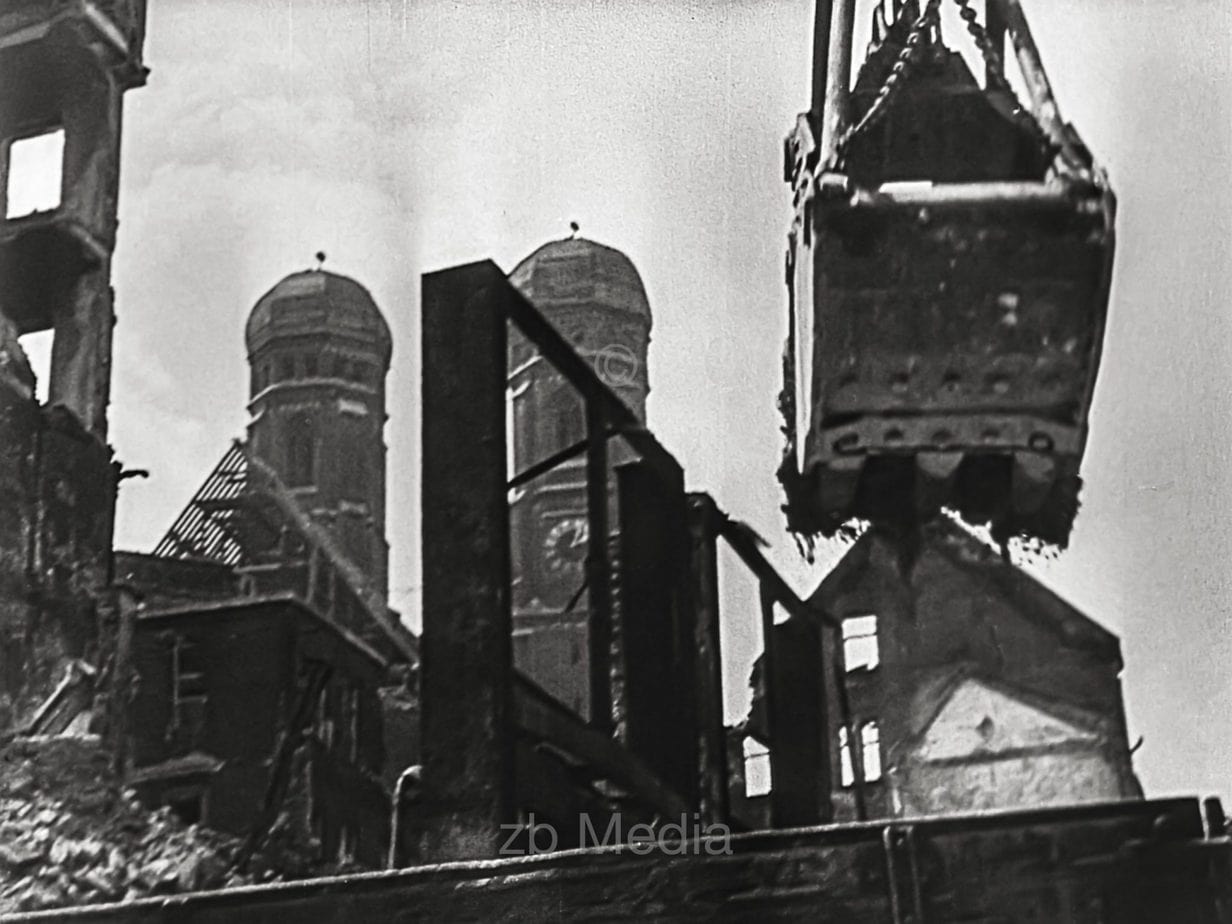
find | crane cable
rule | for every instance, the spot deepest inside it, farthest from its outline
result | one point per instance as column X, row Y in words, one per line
column 894, row 80
column 893, row 84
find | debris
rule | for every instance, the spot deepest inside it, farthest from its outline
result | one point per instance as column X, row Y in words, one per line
column 71, row 834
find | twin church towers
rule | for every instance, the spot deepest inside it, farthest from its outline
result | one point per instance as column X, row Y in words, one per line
column 319, row 351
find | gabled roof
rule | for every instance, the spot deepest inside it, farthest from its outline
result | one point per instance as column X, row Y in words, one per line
column 242, row 508
column 969, row 554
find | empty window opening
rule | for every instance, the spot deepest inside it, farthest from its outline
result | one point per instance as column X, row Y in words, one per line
column 870, row 754
column 860, row 649
column 351, row 706
column 37, row 347
column 348, row 844
column 188, row 683
column 846, row 769
column 189, row 671
column 323, row 725
column 189, row 809
column 36, row 167
column 870, row 751
column 757, row 781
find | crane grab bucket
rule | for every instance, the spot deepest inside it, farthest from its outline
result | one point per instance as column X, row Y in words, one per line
column 948, row 270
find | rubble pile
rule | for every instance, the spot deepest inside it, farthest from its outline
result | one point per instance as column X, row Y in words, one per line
column 70, row 834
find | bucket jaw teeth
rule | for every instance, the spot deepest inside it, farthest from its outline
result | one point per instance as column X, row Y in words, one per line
column 840, row 483
column 935, row 473
column 1031, row 481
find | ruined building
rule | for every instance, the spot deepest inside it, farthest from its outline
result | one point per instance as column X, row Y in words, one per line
column 64, row 69
column 966, row 684
column 594, row 296
column 268, row 598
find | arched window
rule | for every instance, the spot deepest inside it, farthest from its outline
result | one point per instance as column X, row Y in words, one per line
column 356, row 486
column 569, row 419
column 301, row 453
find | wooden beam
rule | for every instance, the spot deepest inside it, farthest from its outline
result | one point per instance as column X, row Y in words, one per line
column 541, row 718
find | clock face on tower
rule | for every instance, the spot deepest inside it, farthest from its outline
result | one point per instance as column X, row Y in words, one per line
column 564, row 547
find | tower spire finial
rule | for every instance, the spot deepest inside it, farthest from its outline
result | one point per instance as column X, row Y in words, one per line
column 320, row 255
column 575, row 228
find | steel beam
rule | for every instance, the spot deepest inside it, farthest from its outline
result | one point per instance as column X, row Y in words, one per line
column 598, row 569
column 468, row 740
column 713, row 802
column 835, row 112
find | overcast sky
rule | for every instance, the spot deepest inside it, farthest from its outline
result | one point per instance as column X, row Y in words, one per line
column 403, row 136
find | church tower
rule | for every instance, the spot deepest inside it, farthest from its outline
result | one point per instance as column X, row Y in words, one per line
column 319, row 351
column 594, row 296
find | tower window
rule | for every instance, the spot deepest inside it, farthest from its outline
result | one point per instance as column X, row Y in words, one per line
column 356, row 487
column 516, row 434
column 301, row 454
column 860, row 649
column 36, row 167
column 310, row 366
column 569, row 428
column 286, row 368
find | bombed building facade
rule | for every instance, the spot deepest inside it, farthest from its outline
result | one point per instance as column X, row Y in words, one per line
column 970, row 684
column 248, row 678
column 286, row 620
column 65, row 70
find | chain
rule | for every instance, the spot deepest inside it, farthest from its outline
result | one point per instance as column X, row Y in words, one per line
column 996, row 70
column 906, row 57
column 893, row 82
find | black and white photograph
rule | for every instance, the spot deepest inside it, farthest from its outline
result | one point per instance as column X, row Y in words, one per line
column 604, row 460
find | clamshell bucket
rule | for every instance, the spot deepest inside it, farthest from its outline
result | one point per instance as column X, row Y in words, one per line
column 948, row 272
